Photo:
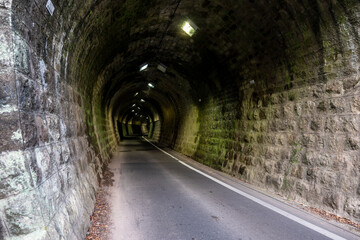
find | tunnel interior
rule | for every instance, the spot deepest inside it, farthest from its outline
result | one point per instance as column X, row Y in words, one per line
column 266, row 91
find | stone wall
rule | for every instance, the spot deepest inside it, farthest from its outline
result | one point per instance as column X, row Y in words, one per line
column 302, row 142
column 155, row 128
column 48, row 169
column 290, row 124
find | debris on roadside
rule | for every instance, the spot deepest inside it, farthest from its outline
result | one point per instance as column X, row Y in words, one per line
column 331, row 216
column 100, row 220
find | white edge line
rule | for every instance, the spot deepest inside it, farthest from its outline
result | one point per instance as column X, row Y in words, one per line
column 265, row 204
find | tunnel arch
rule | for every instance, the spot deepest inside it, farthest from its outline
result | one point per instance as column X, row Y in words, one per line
column 256, row 81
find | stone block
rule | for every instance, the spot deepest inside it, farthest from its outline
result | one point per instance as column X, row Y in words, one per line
column 64, row 91
column 32, row 167
column 72, row 205
column 72, row 112
column 331, row 200
column 331, row 143
column 61, row 226
column 3, row 228
column 350, row 83
column 11, row 138
column 331, row 124
column 278, row 112
column 42, row 129
column 70, row 129
column 316, row 124
column 273, row 181
column 45, row 162
column 29, row 93
column 337, row 105
column 5, row 3
column 49, row 83
column 52, row 231
column 22, row 55
column 28, row 129
column 292, row 125
column 328, row 179
column 63, row 128
column 66, row 178
column 351, row 206
column 51, row 198
column 14, row 177
column 355, row 104
column 49, row 103
column 334, row 88
column 64, row 108
column 349, row 124
column 322, row 107
column 301, row 189
column 298, row 109
column 24, row 218
column 53, row 127
column 6, row 49
column 78, row 99
column 56, row 154
column 311, row 174
column 65, row 153
column 81, row 127
column 352, row 143
column 7, row 87
column 279, row 125
column 288, row 110
column 311, row 141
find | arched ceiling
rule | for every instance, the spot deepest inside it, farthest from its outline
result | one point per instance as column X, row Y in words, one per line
column 237, row 41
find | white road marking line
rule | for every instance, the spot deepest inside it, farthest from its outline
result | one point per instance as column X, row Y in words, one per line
column 265, row 204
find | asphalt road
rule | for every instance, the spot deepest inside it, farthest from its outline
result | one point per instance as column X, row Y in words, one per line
column 156, row 197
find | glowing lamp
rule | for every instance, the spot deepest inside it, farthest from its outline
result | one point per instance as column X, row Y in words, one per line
column 143, row 67
column 189, row 27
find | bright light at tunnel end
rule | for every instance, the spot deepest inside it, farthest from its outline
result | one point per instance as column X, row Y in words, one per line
column 143, row 67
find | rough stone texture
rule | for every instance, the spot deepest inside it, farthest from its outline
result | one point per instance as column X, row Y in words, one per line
column 48, row 168
column 256, row 141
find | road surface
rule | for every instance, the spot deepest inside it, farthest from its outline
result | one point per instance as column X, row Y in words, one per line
column 156, row 197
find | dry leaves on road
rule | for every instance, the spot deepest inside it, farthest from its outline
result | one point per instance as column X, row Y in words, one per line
column 331, row 216
column 100, row 220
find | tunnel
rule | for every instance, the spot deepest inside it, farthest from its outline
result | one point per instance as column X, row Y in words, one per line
column 265, row 91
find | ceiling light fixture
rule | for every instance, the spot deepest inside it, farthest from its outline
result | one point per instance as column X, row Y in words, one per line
column 133, row 111
column 162, row 67
column 189, row 27
column 143, row 67
column 151, row 85
column 134, row 105
column 136, row 94
column 142, row 100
